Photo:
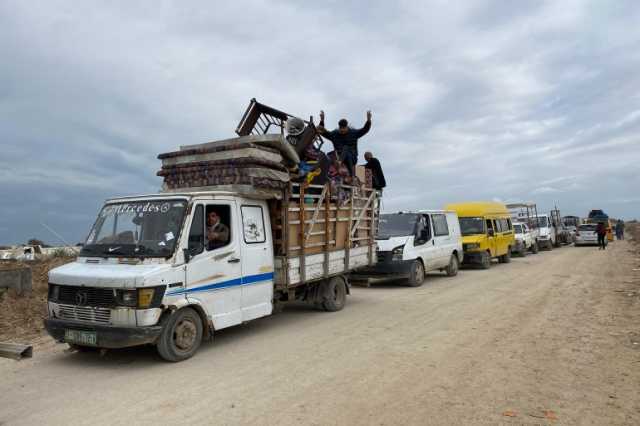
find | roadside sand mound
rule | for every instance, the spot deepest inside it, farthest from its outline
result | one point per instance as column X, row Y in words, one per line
column 21, row 316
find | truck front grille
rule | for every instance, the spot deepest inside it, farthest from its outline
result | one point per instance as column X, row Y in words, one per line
column 84, row 313
column 87, row 296
column 384, row 256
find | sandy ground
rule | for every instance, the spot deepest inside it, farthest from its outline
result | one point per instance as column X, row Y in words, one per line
column 549, row 339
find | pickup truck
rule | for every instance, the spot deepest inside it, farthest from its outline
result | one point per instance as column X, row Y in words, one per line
column 173, row 268
column 525, row 239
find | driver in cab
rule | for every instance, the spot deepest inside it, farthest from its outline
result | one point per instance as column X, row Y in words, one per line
column 217, row 232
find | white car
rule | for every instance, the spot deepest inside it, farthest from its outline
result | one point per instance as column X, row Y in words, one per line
column 586, row 235
column 525, row 240
column 410, row 244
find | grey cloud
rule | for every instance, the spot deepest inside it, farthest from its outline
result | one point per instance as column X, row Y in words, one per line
column 526, row 100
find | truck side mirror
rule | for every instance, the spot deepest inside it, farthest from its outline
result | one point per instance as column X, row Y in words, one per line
column 187, row 255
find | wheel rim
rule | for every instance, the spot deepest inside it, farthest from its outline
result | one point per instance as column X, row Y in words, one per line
column 185, row 333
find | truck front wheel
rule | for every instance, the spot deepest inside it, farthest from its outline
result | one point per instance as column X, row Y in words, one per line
column 416, row 274
column 534, row 247
column 335, row 294
column 452, row 268
column 181, row 335
column 485, row 260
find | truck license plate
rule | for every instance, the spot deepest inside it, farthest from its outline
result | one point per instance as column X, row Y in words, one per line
column 81, row 337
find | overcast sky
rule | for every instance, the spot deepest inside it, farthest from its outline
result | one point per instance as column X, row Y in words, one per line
column 471, row 100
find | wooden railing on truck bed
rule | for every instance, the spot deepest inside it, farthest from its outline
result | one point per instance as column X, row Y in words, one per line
column 310, row 221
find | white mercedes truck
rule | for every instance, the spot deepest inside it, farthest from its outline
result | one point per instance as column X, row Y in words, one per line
column 156, row 270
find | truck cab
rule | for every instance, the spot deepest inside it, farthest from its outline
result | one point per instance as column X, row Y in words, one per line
column 546, row 232
column 146, row 257
column 525, row 239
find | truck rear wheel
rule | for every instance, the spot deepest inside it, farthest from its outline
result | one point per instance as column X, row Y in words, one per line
column 416, row 274
column 181, row 335
column 485, row 260
column 452, row 268
column 534, row 248
column 335, row 294
column 505, row 258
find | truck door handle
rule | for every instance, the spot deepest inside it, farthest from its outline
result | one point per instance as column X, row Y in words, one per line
column 233, row 260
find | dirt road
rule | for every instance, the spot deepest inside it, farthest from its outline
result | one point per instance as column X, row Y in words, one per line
column 549, row 339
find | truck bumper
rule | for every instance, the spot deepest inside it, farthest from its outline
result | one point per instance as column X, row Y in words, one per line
column 472, row 257
column 106, row 336
column 395, row 267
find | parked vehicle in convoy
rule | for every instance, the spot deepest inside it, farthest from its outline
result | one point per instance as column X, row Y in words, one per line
column 586, row 235
column 153, row 271
column 599, row 216
column 410, row 244
column 546, row 232
column 487, row 232
column 571, row 223
column 562, row 234
column 525, row 240
column 525, row 213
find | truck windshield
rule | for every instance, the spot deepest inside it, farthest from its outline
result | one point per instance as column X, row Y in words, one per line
column 517, row 228
column 542, row 221
column 471, row 225
column 397, row 225
column 136, row 229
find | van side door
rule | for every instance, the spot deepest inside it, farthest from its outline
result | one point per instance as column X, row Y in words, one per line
column 424, row 244
column 492, row 239
column 214, row 274
column 442, row 238
column 257, row 261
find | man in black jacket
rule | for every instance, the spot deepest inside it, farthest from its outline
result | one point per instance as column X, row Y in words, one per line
column 377, row 177
column 345, row 140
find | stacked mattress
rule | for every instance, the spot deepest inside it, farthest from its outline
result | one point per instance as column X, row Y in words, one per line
column 258, row 165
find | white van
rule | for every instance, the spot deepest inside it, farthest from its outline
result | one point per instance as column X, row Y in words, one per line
column 413, row 243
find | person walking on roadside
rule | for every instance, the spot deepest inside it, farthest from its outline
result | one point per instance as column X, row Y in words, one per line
column 620, row 229
column 601, row 231
column 345, row 140
column 377, row 177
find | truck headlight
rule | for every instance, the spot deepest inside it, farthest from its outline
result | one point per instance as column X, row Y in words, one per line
column 127, row 298
column 396, row 253
column 142, row 298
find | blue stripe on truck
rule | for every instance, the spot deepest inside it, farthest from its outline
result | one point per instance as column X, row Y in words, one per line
column 249, row 279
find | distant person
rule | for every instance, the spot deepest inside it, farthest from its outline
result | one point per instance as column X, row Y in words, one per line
column 345, row 140
column 377, row 177
column 217, row 232
column 601, row 231
column 620, row 229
